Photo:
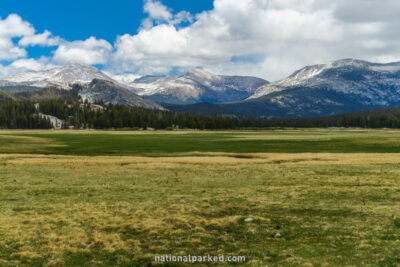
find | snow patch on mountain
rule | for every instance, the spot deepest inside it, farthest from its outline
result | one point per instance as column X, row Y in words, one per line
column 318, row 75
column 61, row 76
column 111, row 92
column 196, row 86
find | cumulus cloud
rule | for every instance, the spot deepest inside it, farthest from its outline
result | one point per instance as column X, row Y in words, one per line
column 265, row 38
column 156, row 10
column 91, row 51
column 43, row 39
column 14, row 27
column 11, row 27
column 29, row 64
column 25, row 64
column 159, row 14
column 231, row 29
column 286, row 34
column 124, row 78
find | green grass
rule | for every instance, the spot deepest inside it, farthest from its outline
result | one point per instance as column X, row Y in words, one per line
column 79, row 208
column 163, row 143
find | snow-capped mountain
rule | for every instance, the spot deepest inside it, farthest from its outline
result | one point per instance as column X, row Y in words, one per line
column 322, row 74
column 196, row 86
column 112, row 92
column 61, row 76
column 97, row 85
column 337, row 87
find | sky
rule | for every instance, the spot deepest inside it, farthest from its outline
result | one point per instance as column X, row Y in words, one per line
column 264, row 38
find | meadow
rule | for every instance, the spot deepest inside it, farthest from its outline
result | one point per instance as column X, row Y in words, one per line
column 119, row 198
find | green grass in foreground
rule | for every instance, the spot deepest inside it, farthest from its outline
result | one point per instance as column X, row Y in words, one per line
column 164, row 143
column 74, row 209
column 109, row 211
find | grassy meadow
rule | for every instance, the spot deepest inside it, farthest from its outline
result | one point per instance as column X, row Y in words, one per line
column 108, row 198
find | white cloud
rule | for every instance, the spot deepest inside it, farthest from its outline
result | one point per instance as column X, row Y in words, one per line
column 232, row 28
column 11, row 27
column 124, row 78
column 25, row 65
column 158, row 14
column 286, row 34
column 14, row 27
column 31, row 64
column 44, row 39
column 91, row 51
column 156, row 10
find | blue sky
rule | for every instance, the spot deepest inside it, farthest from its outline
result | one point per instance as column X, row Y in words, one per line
column 264, row 38
column 80, row 19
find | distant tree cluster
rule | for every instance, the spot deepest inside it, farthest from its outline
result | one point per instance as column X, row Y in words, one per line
column 22, row 115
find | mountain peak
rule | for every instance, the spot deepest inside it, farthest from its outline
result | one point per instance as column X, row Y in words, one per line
column 358, row 63
column 77, row 65
column 199, row 73
column 63, row 76
column 112, row 92
column 335, row 74
column 313, row 70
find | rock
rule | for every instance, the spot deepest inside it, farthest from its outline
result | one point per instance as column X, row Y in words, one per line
column 114, row 93
column 249, row 220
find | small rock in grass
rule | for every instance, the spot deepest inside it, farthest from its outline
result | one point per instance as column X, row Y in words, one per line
column 249, row 220
column 277, row 235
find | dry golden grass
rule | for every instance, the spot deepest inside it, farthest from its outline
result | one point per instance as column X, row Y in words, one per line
column 211, row 158
column 331, row 209
column 111, row 132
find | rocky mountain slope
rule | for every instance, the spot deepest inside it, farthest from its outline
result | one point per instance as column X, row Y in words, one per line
column 347, row 76
column 337, row 87
column 196, row 86
column 59, row 81
column 111, row 92
column 320, row 90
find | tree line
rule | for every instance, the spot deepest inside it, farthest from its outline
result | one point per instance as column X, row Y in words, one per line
column 342, row 121
column 83, row 115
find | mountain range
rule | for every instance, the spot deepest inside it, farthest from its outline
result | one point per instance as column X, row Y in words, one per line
column 193, row 87
column 337, row 87
column 319, row 90
column 196, row 86
column 56, row 82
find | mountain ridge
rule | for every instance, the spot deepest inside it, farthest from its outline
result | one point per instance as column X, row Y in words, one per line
column 111, row 92
column 306, row 75
column 340, row 86
column 196, row 86
column 61, row 76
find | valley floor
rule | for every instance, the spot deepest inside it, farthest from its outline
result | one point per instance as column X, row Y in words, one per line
column 122, row 198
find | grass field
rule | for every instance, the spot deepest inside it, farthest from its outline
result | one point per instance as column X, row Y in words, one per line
column 80, row 198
